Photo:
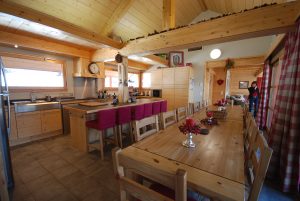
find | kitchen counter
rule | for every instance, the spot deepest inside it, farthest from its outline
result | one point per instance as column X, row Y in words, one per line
column 89, row 110
column 79, row 115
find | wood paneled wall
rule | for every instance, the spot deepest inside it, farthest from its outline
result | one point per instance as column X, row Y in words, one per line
column 237, row 75
column 218, row 91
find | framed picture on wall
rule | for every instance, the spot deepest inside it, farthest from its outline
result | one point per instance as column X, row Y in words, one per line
column 176, row 59
column 243, row 84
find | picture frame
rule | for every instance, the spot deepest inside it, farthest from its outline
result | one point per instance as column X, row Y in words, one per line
column 243, row 84
column 176, row 59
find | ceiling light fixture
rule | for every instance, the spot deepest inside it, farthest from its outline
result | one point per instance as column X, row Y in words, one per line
column 215, row 53
column 16, row 46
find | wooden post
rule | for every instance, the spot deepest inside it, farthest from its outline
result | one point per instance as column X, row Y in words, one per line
column 123, row 80
column 169, row 14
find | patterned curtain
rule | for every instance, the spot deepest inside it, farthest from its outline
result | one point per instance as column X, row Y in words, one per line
column 285, row 126
column 261, row 116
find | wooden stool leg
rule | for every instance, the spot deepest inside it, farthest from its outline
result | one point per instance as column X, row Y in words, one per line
column 131, row 133
column 101, row 145
column 120, row 136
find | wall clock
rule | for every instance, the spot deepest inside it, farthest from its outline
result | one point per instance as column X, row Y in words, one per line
column 93, row 68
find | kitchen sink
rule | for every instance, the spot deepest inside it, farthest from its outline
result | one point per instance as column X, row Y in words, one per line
column 28, row 106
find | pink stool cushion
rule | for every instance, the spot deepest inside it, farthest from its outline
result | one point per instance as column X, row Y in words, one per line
column 124, row 115
column 163, row 106
column 148, row 109
column 105, row 119
column 156, row 108
column 137, row 112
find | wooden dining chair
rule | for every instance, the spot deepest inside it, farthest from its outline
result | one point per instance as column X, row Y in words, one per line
column 181, row 113
column 168, row 118
column 145, row 127
column 253, row 131
column 257, row 166
column 197, row 107
column 248, row 122
column 133, row 188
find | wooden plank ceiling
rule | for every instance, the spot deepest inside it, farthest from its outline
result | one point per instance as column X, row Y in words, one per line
column 125, row 19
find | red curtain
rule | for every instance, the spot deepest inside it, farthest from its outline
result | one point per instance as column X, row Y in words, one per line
column 285, row 126
column 261, row 116
column 259, row 82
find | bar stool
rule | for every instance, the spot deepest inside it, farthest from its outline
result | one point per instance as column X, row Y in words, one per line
column 137, row 113
column 124, row 117
column 148, row 110
column 105, row 119
column 156, row 111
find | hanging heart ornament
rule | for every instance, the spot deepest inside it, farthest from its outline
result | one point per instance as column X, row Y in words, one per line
column 220, row 82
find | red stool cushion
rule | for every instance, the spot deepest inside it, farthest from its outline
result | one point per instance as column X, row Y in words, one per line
column 148, row 109
column 123, row 115
column 137, row 112
column 105, row 119
column 163, row 106
column 156, row 108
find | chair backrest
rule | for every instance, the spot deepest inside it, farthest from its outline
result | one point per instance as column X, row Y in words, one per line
column 148, row 110
column 131, row 187
column 197, row 107
column 259, row 162
column 168, row 118
column 181, row 113
column 137, row 112
column 155, row 108
column 106, row 118
column 124, row 115
column 141, row 127
column 163, row 106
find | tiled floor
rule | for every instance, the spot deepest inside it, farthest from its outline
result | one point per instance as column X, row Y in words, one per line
column 53, row 170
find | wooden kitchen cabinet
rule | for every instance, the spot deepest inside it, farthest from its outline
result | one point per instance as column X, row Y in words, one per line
column 169, row 95
column 51, row 120
column 156, row 79
column 29, row 124
column 168, row 76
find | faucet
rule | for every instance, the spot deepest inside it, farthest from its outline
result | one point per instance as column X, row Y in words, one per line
column 32, row 96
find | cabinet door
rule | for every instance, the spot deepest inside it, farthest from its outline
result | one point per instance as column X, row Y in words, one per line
column 29, row 124
column 182, row 97
column 13, row 127
column 168, row 95
column 156, row 79
column 182, row 75
column 51, row 120
column 168, row 76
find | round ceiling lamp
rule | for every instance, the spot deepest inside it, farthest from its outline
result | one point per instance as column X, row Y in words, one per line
column 215, row 53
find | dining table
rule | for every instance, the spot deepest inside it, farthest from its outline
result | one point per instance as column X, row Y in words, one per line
column 215, row 167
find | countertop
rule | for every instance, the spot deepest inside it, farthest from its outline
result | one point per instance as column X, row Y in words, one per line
column 89, row 110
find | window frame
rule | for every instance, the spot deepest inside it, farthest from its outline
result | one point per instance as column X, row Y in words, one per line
column 37, row 58
column 115, row 88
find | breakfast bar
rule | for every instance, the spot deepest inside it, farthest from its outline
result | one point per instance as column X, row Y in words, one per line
column 81, row 113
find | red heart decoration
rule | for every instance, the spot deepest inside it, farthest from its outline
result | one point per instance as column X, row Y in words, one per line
column 220, row 82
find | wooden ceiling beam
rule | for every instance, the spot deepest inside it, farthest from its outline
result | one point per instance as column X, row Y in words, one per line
column 238, row 62
column 275, row 44
column 118, row 14
column 48, row 20
column 133, row 64
column 169, row 11
column 253, row 23
column 28, row 42
column 157, row 59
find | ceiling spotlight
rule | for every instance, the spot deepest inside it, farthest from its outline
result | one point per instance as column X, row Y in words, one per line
column 16, row 46
column 215, row 53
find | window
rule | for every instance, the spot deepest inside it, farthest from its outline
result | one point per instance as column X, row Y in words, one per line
column 146, row 82
column 275, row 76
column 23, row 73
column 112, row 80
